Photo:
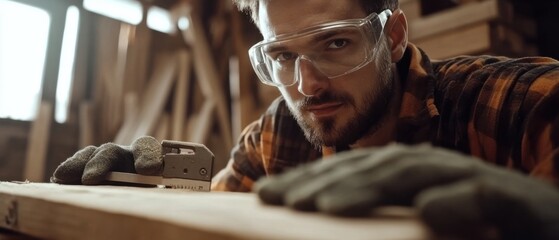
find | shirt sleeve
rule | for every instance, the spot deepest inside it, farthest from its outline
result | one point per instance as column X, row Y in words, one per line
column 540, row 138
column 245, row 165
column 268, row 146
column 504, row 111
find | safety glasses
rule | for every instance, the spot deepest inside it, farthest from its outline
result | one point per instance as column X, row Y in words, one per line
column 335, row 49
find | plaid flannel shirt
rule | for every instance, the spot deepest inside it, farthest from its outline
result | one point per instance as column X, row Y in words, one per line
column 502, row 110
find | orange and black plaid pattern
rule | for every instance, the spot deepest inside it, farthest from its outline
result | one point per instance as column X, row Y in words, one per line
column 504, row 111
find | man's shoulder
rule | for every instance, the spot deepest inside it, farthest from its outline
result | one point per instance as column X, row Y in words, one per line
column 489, row 65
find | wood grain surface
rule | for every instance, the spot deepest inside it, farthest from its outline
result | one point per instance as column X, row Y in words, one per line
column 54, row 211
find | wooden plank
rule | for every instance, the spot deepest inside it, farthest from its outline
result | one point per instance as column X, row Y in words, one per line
column 180, row 103
column 37, row 144
column 468, row 40
column 452, row 19
column 53, row 211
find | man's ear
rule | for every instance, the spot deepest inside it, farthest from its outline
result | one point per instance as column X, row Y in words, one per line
column 397, row 31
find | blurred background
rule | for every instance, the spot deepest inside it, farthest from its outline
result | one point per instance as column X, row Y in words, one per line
column 84, row 72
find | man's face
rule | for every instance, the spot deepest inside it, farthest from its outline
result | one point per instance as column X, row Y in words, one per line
column 336, row 111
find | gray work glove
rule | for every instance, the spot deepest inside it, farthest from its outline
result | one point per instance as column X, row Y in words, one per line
column 456, row 195
column 91, row 165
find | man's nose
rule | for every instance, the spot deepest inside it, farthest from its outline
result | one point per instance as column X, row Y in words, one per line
column 311, row 81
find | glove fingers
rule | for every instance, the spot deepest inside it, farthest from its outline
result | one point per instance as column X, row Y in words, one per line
column 272, row 190
column 361, row 165
column 405, row 180
column 147, row 156
column 455, row 210
column 347, row 202
column 108, row 157
column 357, row 194
column 303, row 196
column 520, row 207
column 70, row 171
column 492, row 205
column 296, row 182
column 392, row 176
column 394, row 182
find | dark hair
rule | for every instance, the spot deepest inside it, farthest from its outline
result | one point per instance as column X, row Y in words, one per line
column 370, row 6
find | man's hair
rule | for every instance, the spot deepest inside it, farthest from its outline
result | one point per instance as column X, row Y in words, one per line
column 370, row 6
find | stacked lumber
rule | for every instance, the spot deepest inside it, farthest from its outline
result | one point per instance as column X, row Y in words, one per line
column 474, row 27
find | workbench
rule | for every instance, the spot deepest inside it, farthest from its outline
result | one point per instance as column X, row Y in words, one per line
column 53, row 211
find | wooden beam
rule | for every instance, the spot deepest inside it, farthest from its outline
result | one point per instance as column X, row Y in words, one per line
column 205, row 68
column 37, row 144
column 86, row 124
column 53, row 211
column 106, row 46
column 180, row 103
column 83, row 65
column 245, row 101
column 57, row 14
column 200, row 124
column 161, row 131
column 152, row 101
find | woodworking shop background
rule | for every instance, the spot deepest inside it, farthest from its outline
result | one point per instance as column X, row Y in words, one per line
column 80, row 72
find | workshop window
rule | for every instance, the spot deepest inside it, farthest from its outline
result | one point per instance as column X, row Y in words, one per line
column 23, row 43
column 67, row 57
column 24, row 40
column 160, row 19
column 124, row 10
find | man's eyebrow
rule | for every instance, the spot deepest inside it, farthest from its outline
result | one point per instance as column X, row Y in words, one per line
column 316, row 38
column 274, row 48
column 323, row 36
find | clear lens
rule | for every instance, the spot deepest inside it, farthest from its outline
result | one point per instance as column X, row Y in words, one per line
column 335, row 49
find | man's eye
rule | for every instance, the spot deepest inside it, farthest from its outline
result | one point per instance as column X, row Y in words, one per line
column 338, row 43
column 285, row 56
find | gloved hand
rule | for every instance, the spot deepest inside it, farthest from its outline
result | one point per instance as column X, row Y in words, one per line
column 91, row 165
column 456, row 195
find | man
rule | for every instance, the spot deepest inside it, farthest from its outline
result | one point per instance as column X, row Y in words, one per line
column 350, row 80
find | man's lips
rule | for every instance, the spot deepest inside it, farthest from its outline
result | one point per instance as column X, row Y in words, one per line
column 324, row 109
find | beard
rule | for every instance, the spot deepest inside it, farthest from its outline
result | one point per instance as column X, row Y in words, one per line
column 368, row 115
